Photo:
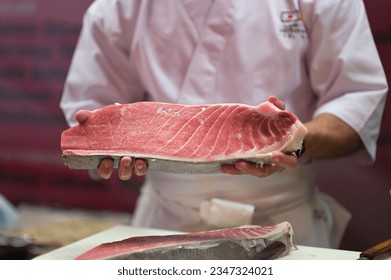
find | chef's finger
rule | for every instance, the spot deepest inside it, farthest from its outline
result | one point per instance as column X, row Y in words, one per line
column 243, row 167
column 288, row 161
column 140, row 167
column 231, row 169
column 125, row 168
column 257, row 170
column 105, row 168
column 277, row 102
column 82, row 115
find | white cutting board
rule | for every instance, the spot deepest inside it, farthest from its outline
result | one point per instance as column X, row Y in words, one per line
column 120, row 232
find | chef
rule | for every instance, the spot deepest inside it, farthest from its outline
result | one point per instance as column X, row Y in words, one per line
column 317, row 58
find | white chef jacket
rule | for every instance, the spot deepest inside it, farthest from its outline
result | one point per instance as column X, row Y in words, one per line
column 318, row 56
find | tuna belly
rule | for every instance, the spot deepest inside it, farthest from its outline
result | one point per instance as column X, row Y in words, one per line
column 182, row 138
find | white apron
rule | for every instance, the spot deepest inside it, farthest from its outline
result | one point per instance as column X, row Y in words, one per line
column 187, row 202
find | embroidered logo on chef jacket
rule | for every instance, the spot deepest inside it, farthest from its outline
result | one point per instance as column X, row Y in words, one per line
column 292, row 25
column 291, row 16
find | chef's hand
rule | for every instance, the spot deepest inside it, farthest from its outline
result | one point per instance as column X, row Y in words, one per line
column 279, row 160
column 126, row 167
column 82, row 115
column 125, row 170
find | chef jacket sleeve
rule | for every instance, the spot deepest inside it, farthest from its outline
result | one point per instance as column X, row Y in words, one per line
column 345, row 69
column 101, row 72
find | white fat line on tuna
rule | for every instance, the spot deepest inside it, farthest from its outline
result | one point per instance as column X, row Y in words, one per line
column 202, row 121
column 186, row 124
column 207, row 135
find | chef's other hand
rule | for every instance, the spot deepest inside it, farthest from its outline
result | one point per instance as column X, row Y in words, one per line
column 125, row 169
column 279, row 162
column 276, row 102
column 82, row 115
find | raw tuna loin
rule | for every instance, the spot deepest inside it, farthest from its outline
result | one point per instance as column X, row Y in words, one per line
column 182, row 138
column 241, row 243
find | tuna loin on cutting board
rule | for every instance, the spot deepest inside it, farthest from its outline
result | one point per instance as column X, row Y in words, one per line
column 182, row 138
column 240, row 243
